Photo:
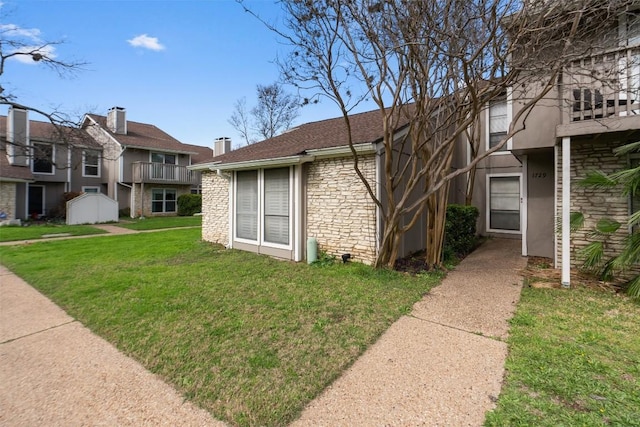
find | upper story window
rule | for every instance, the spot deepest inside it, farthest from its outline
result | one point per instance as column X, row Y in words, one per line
column 42, row 158
column 163, row 166
column 91, row 163
column 498, row 123
column 167, row 159
column 629, row 28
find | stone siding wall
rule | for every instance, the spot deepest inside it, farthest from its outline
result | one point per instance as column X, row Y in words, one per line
column 594, row 203
column 215, row 208
column 340, row 212
column 139, row 207
column 8, row 199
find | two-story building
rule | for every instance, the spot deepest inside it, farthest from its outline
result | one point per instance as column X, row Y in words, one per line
column 136, row 164
column 145, row 168
column 40, row 162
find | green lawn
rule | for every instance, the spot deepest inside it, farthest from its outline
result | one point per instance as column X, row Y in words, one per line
column 247, row 337
column 13, row 233
column 154, row 223
column 574, row 360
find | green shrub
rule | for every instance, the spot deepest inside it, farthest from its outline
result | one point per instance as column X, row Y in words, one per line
column 460, row 230
column 189, row 204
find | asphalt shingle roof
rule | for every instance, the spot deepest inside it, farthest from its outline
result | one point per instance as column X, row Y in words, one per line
column 365, row 128
column 143, row 135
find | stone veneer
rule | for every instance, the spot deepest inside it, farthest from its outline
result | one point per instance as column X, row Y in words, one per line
column 340, row 212
column 137, row 208
column 8, row 199
column 594, row 203
column 215, row 207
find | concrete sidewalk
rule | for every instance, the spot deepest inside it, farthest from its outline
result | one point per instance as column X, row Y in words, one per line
column 55, row 372
column 442, row 365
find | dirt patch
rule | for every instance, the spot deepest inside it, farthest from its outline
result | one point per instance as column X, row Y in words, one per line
column 541, row 274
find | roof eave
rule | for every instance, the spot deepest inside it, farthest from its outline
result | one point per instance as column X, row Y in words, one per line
column 256, row 164
column 343, row 150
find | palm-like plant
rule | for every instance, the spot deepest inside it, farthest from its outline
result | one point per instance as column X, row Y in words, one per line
column 593, row 255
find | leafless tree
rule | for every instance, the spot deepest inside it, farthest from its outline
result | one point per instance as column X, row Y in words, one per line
column 274, row 113
column 19, row 44
column 431, row 67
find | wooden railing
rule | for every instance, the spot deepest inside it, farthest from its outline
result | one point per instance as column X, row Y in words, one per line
column 144, row 172
column 603, row 86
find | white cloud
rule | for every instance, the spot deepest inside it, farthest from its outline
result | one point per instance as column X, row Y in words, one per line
column 146, row 42
column 12, row 30
column 26, row 41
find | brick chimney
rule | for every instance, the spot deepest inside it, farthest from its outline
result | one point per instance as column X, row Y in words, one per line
column 117, row 120
column 221, row 145
column 18, row 136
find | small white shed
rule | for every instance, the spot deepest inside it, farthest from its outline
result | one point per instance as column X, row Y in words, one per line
column 91, row 208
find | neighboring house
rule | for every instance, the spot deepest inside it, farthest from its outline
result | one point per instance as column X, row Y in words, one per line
column 269, row 197
column 529, row 190
column 145, row 168
column 40, row 162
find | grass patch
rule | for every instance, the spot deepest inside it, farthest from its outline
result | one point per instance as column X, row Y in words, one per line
column 155, row 223
column 247, row 337
column 574, row 359
column 12, row 233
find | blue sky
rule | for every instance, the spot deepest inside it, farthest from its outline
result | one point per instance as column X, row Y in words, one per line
column 180, row 65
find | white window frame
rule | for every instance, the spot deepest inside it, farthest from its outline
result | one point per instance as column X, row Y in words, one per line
column 164, row 200
column 260, row 212
column 90, row 189
column 85, row 164
column 488, row 202
column 487, row 134
column 53, row 157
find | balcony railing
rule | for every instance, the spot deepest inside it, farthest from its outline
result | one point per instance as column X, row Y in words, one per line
column 603, row 86
column 144, row 172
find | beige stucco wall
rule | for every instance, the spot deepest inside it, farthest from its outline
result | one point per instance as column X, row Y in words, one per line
column 595, row 204
column 340, row 213
column 215, row 207
column 8, row 199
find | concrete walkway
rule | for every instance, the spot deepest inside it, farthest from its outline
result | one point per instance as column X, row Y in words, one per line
column 442, row 365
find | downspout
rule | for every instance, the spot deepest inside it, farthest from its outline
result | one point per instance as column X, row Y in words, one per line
column 68, row 183
column 566, row 211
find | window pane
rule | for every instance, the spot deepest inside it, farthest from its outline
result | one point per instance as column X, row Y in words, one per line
column 504, row 193
column 170, row 159
column 171, row 194
column 276, row 205
column 156, row 206
column 498, row 117
column 157, row 195
column 43, row 158
column 247, row 205
column 157, row 158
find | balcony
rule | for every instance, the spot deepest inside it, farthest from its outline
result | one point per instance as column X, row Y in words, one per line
column 601, row 94
column 161, row 173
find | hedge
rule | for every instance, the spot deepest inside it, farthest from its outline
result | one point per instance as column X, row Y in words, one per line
column 189, row 204
column 460, row 230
